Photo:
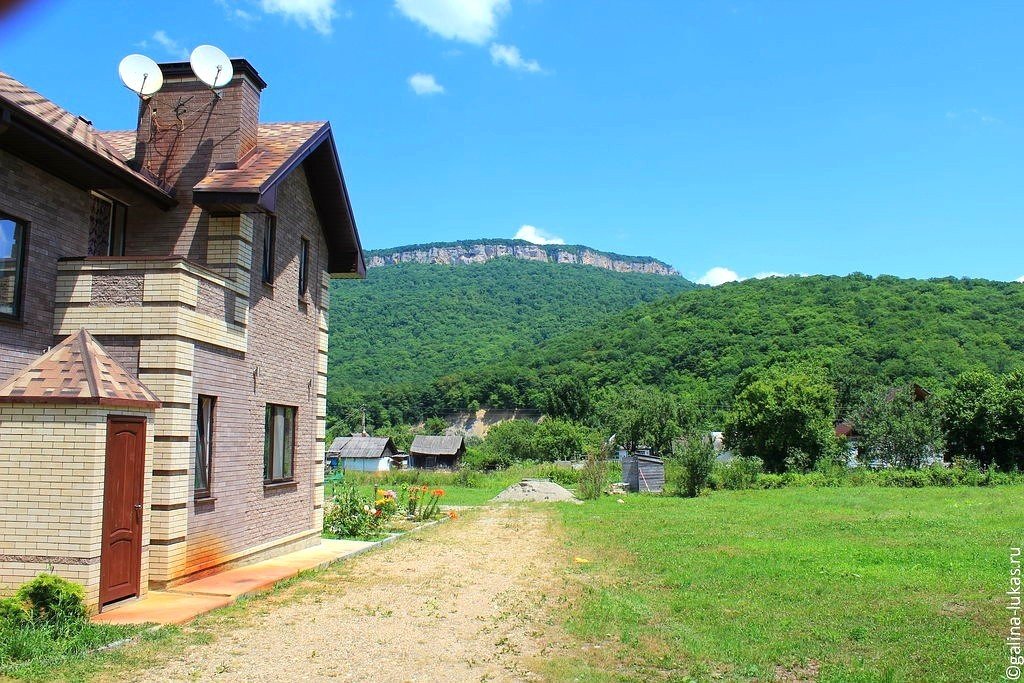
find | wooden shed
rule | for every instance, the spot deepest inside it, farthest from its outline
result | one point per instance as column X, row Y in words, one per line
column 433, row 452
column 643, row 472
column 361, row 453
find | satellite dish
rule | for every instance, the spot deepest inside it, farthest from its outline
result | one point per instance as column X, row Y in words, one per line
column 140, row 74
column 211, row 66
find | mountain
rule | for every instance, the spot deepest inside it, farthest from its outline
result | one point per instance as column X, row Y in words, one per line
column 480, row 251
column 408, row 324
column 867, row 332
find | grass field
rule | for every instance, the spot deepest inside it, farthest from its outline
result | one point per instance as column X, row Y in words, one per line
column 845, row 584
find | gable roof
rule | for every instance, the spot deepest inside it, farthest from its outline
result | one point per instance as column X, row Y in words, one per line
column 280, row 149
column 436, row 445
column 68, row 145
column 362, row 447
column 78, row 370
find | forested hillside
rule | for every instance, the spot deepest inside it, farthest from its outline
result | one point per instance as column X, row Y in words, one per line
column 865, row 331
column 410, row 324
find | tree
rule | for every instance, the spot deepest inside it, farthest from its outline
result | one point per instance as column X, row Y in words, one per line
column 401, row 434
column 899, row 428
column 434, row 426
column 511, row 441
column 784, row 416
column 568, row 397
column 641, row 416
column 969, row 415
column 558, row 440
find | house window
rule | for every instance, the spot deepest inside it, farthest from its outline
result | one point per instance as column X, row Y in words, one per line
column 12, row 265
column 269, row 242
column 278, row 444
column 107, row 220
column 204, row 445
column 303, row 267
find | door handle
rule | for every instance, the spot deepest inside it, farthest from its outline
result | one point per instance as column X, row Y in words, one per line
column 138, row 512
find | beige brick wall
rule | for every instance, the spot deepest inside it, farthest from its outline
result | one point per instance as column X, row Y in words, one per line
column 51, row 493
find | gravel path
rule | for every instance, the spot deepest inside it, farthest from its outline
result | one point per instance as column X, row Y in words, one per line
column 470, row 600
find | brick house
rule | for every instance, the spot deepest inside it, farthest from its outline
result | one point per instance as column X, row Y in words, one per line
column 163, row 334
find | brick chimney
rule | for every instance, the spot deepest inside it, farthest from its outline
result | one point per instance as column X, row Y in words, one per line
column 185, row 130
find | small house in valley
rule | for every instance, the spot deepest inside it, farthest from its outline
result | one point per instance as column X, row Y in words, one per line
column 433, row 452
column 362, row 453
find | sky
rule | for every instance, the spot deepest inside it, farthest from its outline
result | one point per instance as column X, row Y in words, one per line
column 728, row 138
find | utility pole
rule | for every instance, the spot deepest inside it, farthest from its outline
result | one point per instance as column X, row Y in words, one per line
column 363, row 411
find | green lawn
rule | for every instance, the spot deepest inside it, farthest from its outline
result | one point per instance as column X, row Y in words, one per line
column 869, row 584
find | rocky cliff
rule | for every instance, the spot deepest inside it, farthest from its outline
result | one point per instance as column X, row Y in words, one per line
column 456, row 253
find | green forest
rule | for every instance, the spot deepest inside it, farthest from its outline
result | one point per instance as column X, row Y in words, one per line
column 413, row 323
column 414, row 341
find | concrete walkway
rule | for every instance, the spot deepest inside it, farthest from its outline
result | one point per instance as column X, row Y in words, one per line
column 188, row 600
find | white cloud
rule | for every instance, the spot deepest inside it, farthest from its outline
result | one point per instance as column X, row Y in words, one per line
column 718, row 275
column 472, row 21
column 534, row 234
column 509, row 56
column 317, row 14
column 1020, row 279
column 169, row 44
column 425, row 84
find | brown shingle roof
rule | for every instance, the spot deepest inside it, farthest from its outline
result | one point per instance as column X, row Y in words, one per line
column 276, row 144
column 72, row 129
column 121, row 140
column 78, row 370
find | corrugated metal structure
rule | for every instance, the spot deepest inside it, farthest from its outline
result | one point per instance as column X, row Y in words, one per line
column 643, row 472
column 431, row 452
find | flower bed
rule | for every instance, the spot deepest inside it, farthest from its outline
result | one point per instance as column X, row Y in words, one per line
column 350, row 514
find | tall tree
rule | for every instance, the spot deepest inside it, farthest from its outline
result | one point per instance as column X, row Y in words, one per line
column 785, row 417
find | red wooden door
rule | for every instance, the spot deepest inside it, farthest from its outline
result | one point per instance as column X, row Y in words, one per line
column 121, row 553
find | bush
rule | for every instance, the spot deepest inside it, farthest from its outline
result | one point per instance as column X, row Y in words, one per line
column 738, row 473
column 14, row 613
column 696, row 456
column 351, row 515
column 53, row 600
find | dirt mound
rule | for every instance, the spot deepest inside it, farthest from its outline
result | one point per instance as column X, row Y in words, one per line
column 535, row 491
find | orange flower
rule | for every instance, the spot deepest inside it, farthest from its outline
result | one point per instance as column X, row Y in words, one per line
column 453, row 515
column 438, row 492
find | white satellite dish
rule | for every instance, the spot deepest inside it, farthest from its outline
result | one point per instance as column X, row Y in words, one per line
column 211, row 66
column 140, row 74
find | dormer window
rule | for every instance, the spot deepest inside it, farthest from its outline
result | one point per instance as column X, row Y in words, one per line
column 269, row 240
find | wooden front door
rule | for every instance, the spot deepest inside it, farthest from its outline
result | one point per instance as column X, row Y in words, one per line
column 124, row 480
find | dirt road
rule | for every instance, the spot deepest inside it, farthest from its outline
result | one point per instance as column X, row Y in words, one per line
column 471, row 600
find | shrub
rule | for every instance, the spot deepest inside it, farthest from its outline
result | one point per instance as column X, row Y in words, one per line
column 568, row 477
column 593, row 476
column 696, row 456
column 351, row 515
column 53, row 600
column 738, row 473
column 14, row 613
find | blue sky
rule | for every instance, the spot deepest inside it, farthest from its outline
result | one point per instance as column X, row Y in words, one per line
column 754, row 137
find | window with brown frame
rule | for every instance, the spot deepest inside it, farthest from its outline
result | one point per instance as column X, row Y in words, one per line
column 13, row 234
column 107, row 222
column 204, row 446
column 278, row 444
column 303, row 268
column 269, row 244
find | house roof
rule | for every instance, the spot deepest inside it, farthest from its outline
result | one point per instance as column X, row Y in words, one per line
column 280, row 149
column 78, row 370
column 436, row 445
column 48, row 135
column 362, row 447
